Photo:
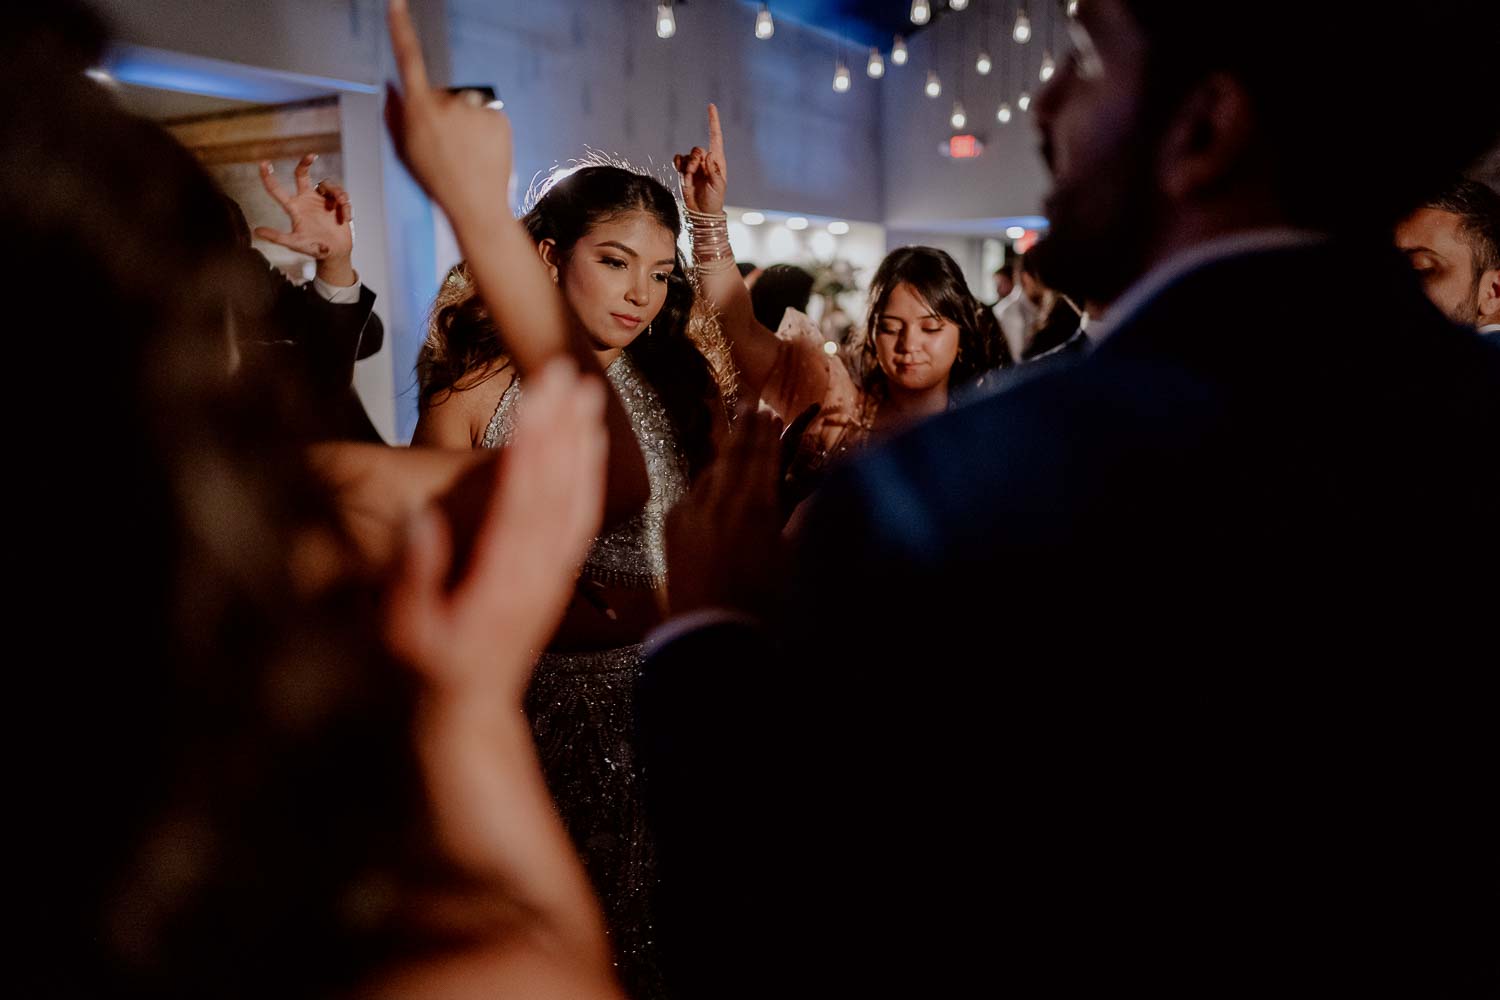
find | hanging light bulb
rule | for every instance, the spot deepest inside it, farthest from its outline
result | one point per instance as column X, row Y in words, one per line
column 875, row 68
column 982, row 65
column 934, row 86
column 1048, row 67
column 957, row 4
column 1072, row 8
column 841, row 77
column 958, row 119
column 1022, row 31
column 1024, row 101
column 1003, row 116
column 921, row 13
column 764, row 26
column 898, row 51
column 666, row 21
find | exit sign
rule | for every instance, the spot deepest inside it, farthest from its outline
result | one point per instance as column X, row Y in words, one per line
column 962, row 147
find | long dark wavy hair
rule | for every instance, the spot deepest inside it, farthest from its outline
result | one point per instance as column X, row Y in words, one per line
column 936, row 277
column 464, row 349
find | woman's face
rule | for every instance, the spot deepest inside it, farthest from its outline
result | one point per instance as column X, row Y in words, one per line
column 616, row 277
column 915, row 346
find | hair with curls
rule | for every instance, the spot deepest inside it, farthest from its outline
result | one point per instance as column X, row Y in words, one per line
column 938, row 281
column 682, row 354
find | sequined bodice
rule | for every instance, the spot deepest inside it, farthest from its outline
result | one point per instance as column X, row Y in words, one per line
column 632, row 554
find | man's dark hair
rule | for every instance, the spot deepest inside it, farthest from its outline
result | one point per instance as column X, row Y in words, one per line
column 780, row 287
column 1478, row 208
column 1351, row 142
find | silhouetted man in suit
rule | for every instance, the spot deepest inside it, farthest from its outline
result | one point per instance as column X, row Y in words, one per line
column 312, row 334
column 1171, row 667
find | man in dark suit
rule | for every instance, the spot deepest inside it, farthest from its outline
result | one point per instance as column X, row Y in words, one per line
column 312, row 334
column 318, row 333
column 1172, row 666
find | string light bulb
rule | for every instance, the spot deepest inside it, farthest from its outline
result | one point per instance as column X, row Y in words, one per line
column 1022, row 31
column 764, row 26
column 957, row 4
column 1024, row 101
column 875, row 68
column 958, row 119
column 921, row 12
column 934, row 86
column 1072, row 8
column 898, row 51
column 1003, row 116
column 1049, row 67
column 666, row 21
column 841, row 77
column 983, row 65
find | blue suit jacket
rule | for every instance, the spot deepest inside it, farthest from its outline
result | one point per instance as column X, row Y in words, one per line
column 1173, row 666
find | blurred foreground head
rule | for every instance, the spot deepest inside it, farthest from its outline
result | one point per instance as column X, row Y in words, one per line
column 1174, row 121
column 209, row 737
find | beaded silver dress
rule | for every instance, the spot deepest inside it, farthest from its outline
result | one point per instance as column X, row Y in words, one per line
column 580, row 705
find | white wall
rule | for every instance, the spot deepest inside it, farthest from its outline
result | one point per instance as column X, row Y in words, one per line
column 592, row 73
column 923, row 188
column 369, row 168
column 343, row 39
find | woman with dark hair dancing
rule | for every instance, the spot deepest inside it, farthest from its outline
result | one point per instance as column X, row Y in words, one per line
column 925, row 333
column 607, row 237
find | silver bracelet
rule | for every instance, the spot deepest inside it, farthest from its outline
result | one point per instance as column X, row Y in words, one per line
column 709, row 234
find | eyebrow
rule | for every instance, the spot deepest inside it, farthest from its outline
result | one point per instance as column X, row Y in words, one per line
column 898, row 319
column 625, row 249
column 1421, row 249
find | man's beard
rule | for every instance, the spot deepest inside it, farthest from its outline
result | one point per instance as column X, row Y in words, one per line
column 1101, row 227
column 1466, row 311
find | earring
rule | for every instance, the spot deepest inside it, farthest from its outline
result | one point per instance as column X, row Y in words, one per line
column 648, row 329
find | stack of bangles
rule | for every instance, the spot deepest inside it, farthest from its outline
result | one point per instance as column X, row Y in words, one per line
column 710, row 238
